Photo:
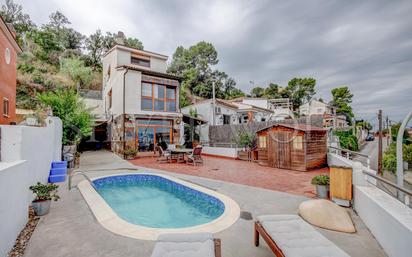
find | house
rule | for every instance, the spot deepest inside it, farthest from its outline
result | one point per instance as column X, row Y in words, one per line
column 9, row 49
column 292, row 146
column 281, row 108
column 227, row 112
column 140, row 99
column 316, row 107
column 326, row 111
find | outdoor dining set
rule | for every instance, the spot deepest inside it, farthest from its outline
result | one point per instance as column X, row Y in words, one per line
column 180, row 155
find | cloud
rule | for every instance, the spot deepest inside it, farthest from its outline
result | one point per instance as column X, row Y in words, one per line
column 366, row 45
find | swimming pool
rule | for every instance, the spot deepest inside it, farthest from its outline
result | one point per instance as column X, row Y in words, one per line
column 145, row 205
column 157, row 202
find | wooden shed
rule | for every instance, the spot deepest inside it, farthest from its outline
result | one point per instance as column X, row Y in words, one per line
column 292, row 146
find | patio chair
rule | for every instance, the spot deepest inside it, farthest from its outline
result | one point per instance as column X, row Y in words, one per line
column 291, row 236
column 187, row 245
column 195, row 156
column 164, row 156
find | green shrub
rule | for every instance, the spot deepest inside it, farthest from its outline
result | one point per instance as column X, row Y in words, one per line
column 347, row 140
column 45, row 191
column 389, row 157
column 67, row 105
column 322, row 180
column 246, row 139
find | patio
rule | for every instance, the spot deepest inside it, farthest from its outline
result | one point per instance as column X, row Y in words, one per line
column 70, row 228
column 241, row 172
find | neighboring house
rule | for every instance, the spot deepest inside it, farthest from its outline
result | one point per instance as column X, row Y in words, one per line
column 315, row 107
column 140, row 99
column 9, row 49
column 326, row 111
column 281, row 108
column 227, row 112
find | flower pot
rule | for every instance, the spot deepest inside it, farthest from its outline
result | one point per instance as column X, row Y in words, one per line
column 322, row 191
column 41, row 207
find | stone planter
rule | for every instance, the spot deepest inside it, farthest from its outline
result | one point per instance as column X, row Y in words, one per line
column 322, row 191
column 41, row 207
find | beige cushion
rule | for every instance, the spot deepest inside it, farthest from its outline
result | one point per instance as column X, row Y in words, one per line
column 326, row 214
column 296, row 238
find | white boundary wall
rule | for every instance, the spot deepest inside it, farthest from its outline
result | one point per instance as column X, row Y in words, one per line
column 388, row 219
column 221, row 151
column 26, row 155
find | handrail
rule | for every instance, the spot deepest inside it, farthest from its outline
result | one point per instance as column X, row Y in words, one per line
column 352, row 152
column 404, row 190
column 79, row 172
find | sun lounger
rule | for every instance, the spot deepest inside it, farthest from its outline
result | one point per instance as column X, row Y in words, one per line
column 291, row 236
column 187, row 245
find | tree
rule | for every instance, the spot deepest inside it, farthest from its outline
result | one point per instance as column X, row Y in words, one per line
column 300, row 90
column 98, row 44
column 68, row 106
column 13, row 13
column 341, row 99
column 272, row 91
column 257, row 91
column 95, row 47
column 196, row 66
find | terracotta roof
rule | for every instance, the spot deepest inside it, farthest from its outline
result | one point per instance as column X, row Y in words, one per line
column 152, row 73
column 297, row 126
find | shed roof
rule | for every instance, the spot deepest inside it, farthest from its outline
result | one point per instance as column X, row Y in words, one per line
column 299, row 126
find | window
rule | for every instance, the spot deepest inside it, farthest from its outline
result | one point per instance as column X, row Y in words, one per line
column 298, row 143
column 140, row 62
column 6, row 107
column 156, row 97
column 226, row 119
column 262, row 142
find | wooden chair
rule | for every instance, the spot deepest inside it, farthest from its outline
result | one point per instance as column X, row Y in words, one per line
column 195, row 156
column 164, row 156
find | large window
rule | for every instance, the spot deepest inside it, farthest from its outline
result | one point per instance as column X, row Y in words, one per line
column 156, row 97
column 6, row 107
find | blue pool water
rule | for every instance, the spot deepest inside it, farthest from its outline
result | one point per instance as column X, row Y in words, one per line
column 154, row 201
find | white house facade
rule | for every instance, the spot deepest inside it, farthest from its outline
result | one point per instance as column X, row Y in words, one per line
column 140, row 99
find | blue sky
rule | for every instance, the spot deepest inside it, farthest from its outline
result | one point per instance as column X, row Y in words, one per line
column 366, row 45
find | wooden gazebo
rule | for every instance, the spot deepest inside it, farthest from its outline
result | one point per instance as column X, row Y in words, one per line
column 292, row 146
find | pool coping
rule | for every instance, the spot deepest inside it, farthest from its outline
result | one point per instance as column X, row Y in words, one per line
column 109, row 219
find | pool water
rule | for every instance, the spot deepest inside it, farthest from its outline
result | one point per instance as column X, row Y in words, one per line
column 157, row 202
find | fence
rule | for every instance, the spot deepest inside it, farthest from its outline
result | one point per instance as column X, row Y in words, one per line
column 26, row 155
column 227, row 134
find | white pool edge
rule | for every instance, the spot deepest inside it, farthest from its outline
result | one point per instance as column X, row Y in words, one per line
column 108, row 218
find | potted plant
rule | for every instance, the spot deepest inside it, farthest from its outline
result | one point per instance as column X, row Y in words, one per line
column 322, row 185
column 44, row 194
column 130, row 154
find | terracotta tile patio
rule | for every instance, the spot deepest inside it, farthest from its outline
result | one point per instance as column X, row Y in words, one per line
column 242, row 172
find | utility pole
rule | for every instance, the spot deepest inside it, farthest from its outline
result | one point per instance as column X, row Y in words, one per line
column 214, row 103
column 380, row 143
column 388, row 130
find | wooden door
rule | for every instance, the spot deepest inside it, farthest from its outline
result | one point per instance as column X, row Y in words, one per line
column 280, row 148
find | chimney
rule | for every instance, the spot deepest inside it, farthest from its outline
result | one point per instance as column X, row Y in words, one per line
column 120, row 38
column 11, row 29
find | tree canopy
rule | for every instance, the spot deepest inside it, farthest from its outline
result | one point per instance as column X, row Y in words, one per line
column 341, row 99
column 196, row 66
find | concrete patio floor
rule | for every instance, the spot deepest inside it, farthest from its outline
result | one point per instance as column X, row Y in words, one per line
column 242, row 172
column 70, row 228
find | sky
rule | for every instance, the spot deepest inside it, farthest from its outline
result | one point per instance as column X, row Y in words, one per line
column 365, row 45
